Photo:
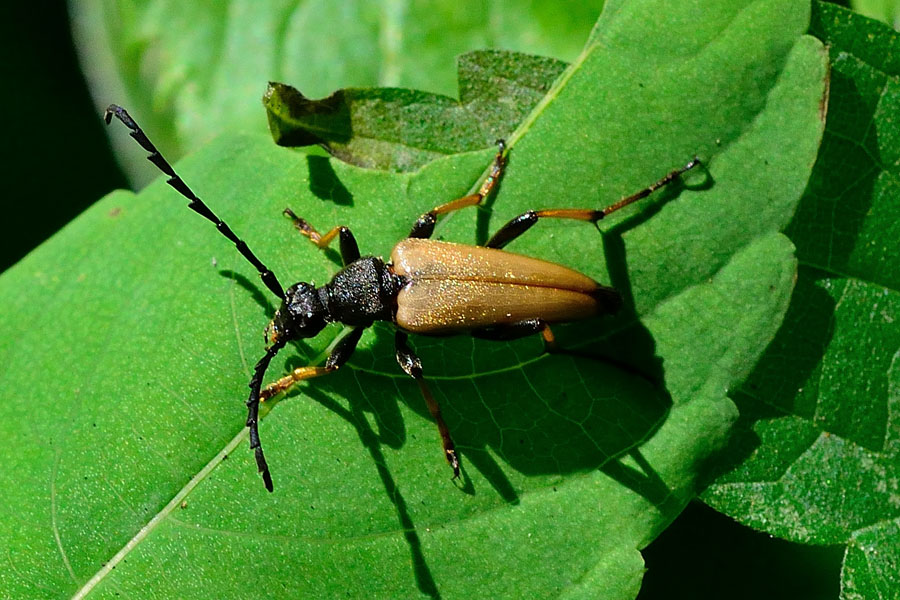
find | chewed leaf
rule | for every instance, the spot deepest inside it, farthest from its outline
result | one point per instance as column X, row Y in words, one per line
column 196, row 70
column 402, row 130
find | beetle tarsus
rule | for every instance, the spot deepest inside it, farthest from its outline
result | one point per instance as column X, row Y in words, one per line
column 665, row 180
column 348, row 245
column 453, row 459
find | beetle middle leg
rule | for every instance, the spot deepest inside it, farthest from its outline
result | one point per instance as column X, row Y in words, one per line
column 348, row 245
column 424, row 225
column 412, row 366
column 526, row 220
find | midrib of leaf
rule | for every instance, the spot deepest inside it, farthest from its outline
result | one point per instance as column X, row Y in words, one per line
column 832, row 271
column 390, row 40
column 160, row 516
column 551, row 95
column 177, row 499
column 536, row 112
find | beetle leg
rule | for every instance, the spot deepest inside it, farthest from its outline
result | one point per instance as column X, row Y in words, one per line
column 424, row 225
column 518, row 330
column 412, row 366
column 526, row 220
column 667, row 179
column 349, row 247
column 340, row 355
column 297, row 375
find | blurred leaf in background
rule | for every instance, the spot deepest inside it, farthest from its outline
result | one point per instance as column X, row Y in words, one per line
column 883, row 10
column 198, row 69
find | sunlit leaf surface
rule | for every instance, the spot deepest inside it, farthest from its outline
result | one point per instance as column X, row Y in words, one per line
column 129, row 338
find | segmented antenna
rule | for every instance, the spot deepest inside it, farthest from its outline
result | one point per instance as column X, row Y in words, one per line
column 253, row 411
column 195, row 204
column 268, row 277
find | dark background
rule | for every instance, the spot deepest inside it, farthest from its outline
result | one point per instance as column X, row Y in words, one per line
column 57, row 161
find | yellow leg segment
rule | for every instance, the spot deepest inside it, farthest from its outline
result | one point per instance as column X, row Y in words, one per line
column 297, row 375
column 310, row 232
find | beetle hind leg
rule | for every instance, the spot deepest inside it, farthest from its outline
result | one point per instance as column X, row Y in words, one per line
column 526, row 220
column 520, row 329
column 424, row 225
column 412, row 366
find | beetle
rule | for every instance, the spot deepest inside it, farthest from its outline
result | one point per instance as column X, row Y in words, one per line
column 428, row 287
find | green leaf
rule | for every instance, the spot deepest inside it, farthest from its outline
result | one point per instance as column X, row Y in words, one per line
column 195, row 69
column 818, row 458
column 884, row 10
column 397, row 129
column 131, row 334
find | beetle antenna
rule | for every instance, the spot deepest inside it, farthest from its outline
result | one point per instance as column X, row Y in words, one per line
column 253, row 411
column 195, row 204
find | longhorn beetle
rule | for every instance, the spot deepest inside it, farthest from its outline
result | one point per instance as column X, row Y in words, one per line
column 428, row 288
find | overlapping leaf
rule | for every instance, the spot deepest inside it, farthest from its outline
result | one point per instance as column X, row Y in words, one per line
column 403, row 130
column 818, row 461
column 119, row 476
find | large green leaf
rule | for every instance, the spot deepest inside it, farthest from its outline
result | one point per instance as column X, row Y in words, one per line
column 196, row 69
column 818, row 460
column 130, row 335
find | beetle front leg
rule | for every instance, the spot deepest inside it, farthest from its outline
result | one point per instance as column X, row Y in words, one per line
column 348, row 245
column 412, row 366
column 340, row 355
column 424, row 225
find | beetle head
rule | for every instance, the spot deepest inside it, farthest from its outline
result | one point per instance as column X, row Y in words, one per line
column 301, row 315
